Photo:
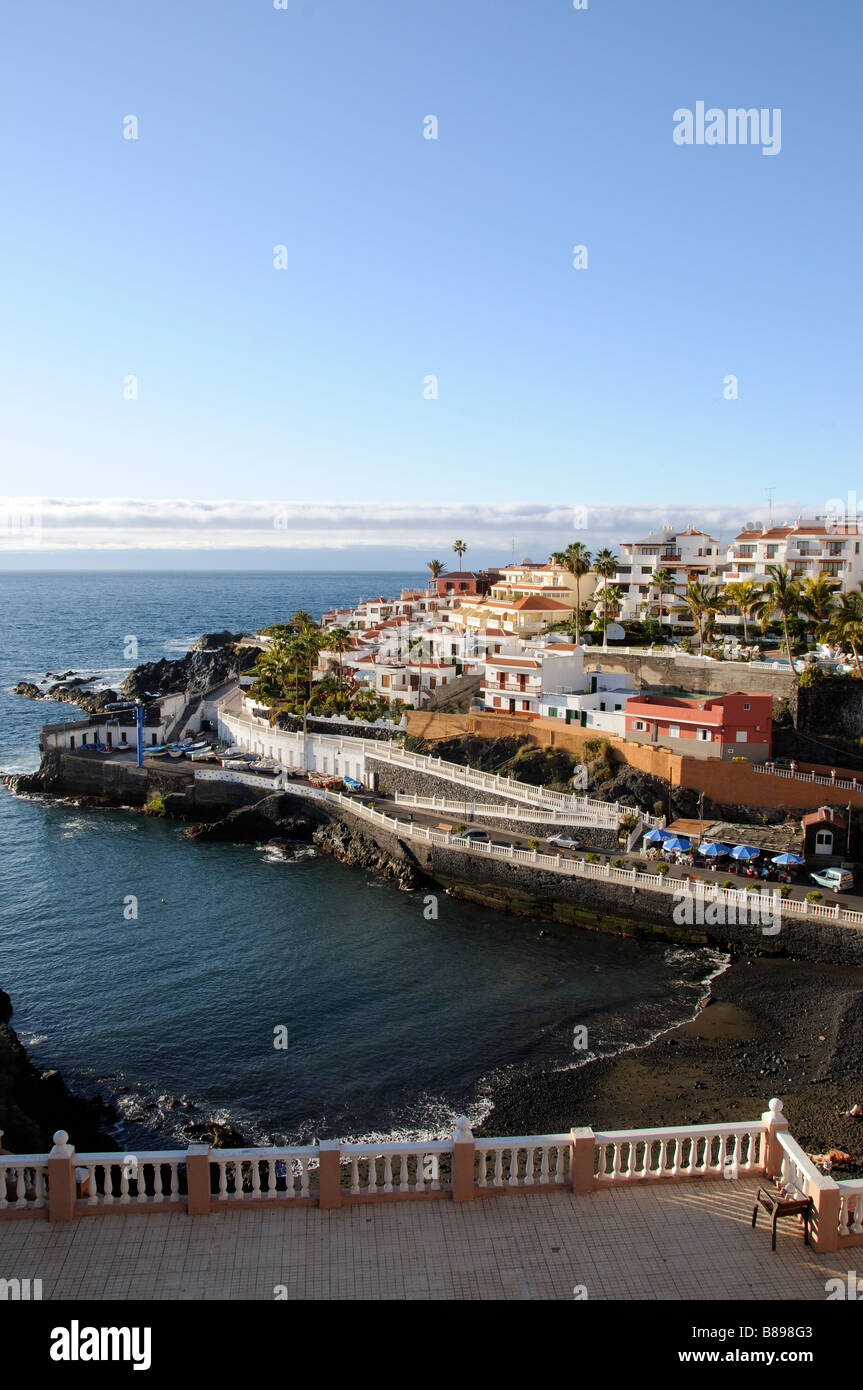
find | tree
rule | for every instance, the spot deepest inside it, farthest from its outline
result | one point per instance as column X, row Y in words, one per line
column 782, row 595
column 301, row 621
column 459, row 547
column 416, row 645
column 663, row 580
column 436, row 568
column 339, row 640
column 307, row 647
column 746, row 597
column 576, row 561
column 606, row 564
column 846, row 624
column 701, row 601
column 819, row 600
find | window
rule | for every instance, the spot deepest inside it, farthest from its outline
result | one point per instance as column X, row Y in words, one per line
column 123, row 737
column 497, row 702
column 703, row 734
column 740, row 736
column 746, row 707
column 525, row 704
column 72, row 741
column 83, row 740
column 153, row 738
column 552, row 713
column 674, row 731
column 639, row 726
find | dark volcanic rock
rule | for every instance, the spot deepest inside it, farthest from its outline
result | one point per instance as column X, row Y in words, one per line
column 265, row 820
column 28, row 690
column 219, row 1136
column 193, row 673
column 34, row 1104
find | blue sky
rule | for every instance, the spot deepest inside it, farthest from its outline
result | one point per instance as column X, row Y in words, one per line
column 409, row 257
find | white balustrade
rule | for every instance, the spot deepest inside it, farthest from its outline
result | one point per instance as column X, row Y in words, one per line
column 679, row 1151
column 537, row 1160
column 382, row 1169
column 129, row 1180
column 23, row 1182
column 851, row 1208
column 248, row 1175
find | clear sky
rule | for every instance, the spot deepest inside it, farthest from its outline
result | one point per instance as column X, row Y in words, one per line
column 410, row 257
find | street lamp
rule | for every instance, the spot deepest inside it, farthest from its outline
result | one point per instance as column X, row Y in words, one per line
column 138, row 706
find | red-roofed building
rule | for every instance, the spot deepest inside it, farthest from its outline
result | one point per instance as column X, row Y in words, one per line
column 738, row 725
column 470, row 583
column 811, row 549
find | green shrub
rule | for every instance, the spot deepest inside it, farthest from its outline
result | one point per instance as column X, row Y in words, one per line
column 533, row 844
column 729, row 883
column 814, row 896
column 662, row 868
column 618, row 864
column 593, row 858
column 785, row 890
column 155, row 805
column 640, row 866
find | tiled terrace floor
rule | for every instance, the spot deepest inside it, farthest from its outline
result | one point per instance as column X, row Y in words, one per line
column 678, row 1241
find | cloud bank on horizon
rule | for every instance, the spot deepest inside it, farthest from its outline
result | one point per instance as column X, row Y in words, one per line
column 123, row 524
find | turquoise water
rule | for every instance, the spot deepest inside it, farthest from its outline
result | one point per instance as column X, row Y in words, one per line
column 395, row 1023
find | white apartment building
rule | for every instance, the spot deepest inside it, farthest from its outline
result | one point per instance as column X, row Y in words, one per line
column 809, row 549
column 548, row 680
column 688, row 555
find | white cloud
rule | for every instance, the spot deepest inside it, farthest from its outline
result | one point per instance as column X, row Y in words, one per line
column 123, row 524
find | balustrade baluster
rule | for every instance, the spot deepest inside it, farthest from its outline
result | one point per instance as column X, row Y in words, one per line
column 498, row 1168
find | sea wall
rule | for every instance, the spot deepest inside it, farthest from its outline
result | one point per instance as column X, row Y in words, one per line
column 594, row 904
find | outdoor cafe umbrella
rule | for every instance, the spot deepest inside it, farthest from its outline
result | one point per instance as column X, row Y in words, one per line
column 788, row 859
column 656, row 836
column 712, row 848
column 677, row 842
column 745, row 852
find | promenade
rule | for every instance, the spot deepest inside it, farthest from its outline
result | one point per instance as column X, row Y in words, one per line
column 688, row 1240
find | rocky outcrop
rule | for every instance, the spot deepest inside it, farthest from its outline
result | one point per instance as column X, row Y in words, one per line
column 274, row 816
column 193, row 674
column 70, row 693
column 351, row 846
column 33, row 1103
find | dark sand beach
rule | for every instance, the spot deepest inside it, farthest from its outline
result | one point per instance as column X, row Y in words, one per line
column 781, row 1028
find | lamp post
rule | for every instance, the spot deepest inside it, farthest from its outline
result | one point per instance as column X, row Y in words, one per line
column 138, row 705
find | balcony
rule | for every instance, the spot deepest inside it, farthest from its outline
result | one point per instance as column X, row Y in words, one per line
column 511, row 687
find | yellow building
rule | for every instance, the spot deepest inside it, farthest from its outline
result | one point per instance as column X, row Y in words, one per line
column 525, row 600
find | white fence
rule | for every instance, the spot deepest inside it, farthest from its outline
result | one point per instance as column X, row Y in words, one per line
column 844, row 783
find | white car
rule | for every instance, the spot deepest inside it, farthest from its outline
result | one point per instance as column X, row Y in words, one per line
column 564, row 842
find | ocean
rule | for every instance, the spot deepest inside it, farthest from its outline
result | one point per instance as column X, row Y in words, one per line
column 395, row 1024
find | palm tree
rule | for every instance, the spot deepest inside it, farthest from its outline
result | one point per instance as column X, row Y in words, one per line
column 663, row 580
column 576, row 561
column 819, row 601
column 437, row 568
column 339, row 640
column 846, row 624
column 782, row 595
column 606, row 564
column 701, row 601
column 459, row 547
column 308, row 647
column 301, row 621
column 746, row 596
column 416, row 644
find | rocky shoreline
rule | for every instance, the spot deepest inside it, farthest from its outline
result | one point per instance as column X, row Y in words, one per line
column 34, row 1103
column 771, row 1027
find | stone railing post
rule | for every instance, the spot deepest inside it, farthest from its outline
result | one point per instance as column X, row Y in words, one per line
column 827, row 1200
column 463, row 1161
column 198, row 1180
column 61, row 1179
column 329, row 1175
column 773, row 1152
column 582, row 1159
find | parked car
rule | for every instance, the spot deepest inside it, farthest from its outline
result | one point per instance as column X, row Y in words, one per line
column 564, row 842
column 474, row 835
column 834, row 879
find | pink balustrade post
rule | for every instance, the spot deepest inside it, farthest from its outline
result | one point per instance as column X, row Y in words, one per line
column 329, row 1176
column 61, row 1179
column 463, row 1161
column 198, row 1180
column 772, row 1152
column 582, row 1159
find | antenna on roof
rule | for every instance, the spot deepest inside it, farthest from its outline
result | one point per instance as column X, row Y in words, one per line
column 770, row 491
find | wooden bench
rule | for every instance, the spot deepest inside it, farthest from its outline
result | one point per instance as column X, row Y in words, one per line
column 444, row 825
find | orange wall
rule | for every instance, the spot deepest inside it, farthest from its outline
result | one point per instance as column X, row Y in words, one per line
column 728, row 782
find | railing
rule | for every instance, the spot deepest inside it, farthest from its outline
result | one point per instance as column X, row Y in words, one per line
column 537, row 1160
column 375, row 1170
column 490, row 812
column 63, row 1185
column 23, row 1182
column 249, row 1175
column 127, row 1180
column 846, row 784
column 703, row 1151
column 851, row 1208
